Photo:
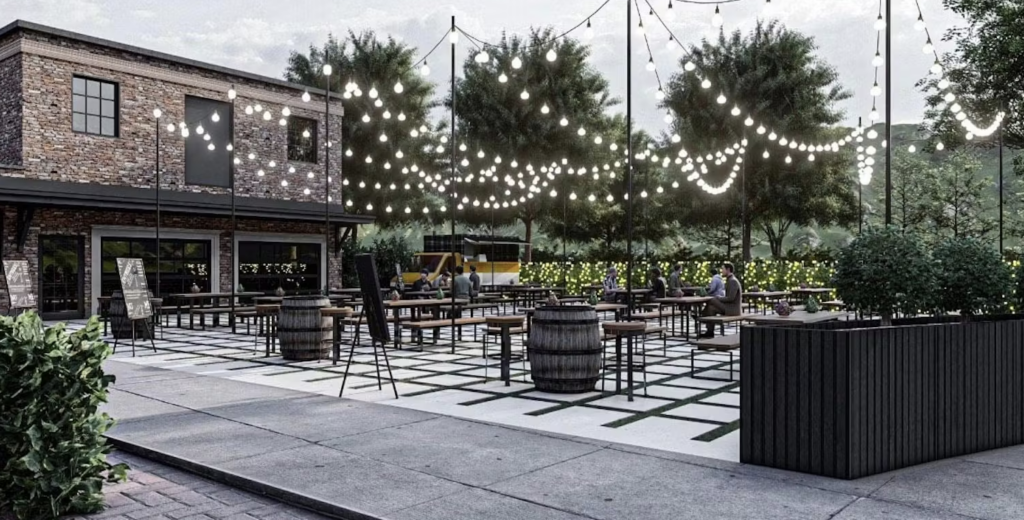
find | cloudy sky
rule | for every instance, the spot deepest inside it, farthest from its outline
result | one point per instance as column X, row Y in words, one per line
column 257, row 35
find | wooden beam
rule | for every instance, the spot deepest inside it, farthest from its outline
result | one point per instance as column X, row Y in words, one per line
column 24, row 221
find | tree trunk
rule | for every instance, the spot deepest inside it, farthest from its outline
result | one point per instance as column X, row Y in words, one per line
column 747, row 225
column 528, row 254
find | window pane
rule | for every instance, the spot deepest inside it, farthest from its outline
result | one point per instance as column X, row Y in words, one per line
column 78, row 103
column 108, row 126
column 108, row 91
column 78, row 122
column 94, row 88
column 78, row 85
column 108, row 108
column 92, row 106
column 92, row 124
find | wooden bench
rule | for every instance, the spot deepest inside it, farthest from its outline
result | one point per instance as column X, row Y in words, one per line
column 202, row 312
column 482, row 305
column 420, row 326
column 728, row 344
column 722, row 320
column 837, row 305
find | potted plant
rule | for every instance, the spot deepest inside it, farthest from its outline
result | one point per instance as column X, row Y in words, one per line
column 854, row 398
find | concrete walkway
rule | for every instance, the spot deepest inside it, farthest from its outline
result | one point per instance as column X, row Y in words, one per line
column 360, row 460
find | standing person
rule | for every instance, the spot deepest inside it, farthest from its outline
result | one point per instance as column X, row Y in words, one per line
column 675, row 283
column 731, row 304
column 717, row 287
column 474, row 279
column 610, row 285
column 461, row 286
column 658, row 286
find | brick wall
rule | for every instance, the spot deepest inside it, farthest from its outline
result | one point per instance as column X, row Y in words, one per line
column 54, row 221
column 52, row 151
column 10, row 111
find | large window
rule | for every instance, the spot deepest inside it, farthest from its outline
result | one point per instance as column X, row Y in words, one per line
column 182, row 263
column 94, row 107
column 302, row 140
column 265, row 266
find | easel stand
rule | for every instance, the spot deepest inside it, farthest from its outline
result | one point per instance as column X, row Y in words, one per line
column 145, row 323
column 376, row 361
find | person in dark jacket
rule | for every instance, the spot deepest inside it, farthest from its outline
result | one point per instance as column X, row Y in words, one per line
column 729, row 305
column 474, row 280
column 658, row 286
column 422, row 283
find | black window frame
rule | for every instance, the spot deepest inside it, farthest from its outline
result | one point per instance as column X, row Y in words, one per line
column 302, row 154
column 173, row 278
column 268, row 270
column 85, row 113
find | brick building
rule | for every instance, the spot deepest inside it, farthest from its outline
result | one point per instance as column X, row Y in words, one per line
column 78, row 171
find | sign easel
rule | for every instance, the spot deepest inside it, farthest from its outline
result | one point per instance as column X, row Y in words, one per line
column 373, row 311
column 137, row 306
column 19, row 285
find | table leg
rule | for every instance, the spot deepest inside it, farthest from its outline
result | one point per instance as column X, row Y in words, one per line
column 629, row 366
column 506, row 354
column 618, row 364
column 398, row 329
column 336, row 341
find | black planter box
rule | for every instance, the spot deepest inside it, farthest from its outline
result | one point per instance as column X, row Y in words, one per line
column 850, row 399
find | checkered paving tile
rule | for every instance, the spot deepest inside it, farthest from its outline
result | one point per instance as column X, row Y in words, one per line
column 674, row 408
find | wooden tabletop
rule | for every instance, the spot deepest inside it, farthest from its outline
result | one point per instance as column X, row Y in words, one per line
column 634, row 291
column 199, row 295
column 525, row 288
column 617, row 327
column 336, row 311
column 401, row 304
column 797, row 317
column 605, row 307
column 267, row 309
column 766, row 294
column 505, row 320
column 685, row 299
column 813, row 290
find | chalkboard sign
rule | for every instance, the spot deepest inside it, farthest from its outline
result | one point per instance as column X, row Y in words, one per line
column 134, row 288
column 373, row 304
column 19, row 285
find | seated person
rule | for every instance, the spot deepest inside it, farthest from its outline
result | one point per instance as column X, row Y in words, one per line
column 658, row 286
column 731, row 304
column 444, row 281
column 422, row 283
column 675, row 282
column 717, row 287
column 610, row 285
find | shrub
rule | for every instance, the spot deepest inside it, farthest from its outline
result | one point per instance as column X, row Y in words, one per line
column 971, row 278
column 884, row 271
column 53, row 454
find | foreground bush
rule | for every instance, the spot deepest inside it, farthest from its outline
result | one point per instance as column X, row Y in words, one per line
column 971, row 277
column 885, row 271
column 52, row 449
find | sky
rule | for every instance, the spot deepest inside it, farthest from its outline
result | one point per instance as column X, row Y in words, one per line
column 258, row 35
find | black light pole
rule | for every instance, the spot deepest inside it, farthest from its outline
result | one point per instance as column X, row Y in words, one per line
column 451, row 192
column 743, row 205
column 327, row 177
column 629, row 162
column 234, row 241
column 888, row 112
column 860, row 191
column 1000, row 190
column 157, row 115
column 565, row 234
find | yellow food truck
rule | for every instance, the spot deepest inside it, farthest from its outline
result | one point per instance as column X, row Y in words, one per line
column 496, row 258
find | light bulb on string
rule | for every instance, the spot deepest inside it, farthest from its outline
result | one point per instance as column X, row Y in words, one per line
column 588, row 33
column 735, row 111
column 705, row 84
column 928, row 47
column 482, row 57
column 943, row 84
column 286, row 112
column 716, row 19
column 650, row 65
column 919, row 25
column 721, row 99
column 876, row 90
column 936, row 68
column 524, row 95
column 878, row 61
column 670, row 14
column 660, row 94
column 502, row 78
column 516, row 62
column 399, row 88
column 424, row 69
column 551, row 55
column 879, row 22
column 640, row 31
column 305, row 97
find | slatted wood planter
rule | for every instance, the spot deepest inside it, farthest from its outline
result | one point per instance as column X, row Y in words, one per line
column 852, row 399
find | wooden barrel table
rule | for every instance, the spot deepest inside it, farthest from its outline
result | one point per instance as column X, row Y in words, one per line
column 120, row 325
column 302, row 333
column 565, row 349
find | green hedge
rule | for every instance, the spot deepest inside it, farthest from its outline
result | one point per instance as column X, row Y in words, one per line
column 52, row 449
column 782, row 274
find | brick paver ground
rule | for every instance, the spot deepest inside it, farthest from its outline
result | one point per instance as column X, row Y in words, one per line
column 157, row 492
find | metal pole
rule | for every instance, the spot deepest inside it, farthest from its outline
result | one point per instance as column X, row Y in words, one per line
column 327, row 181
column 629, row 161
column 565, row 234
column 451, row 192
column 1000, row 190
column 743, row 205
column 860, row 191
column 888, row 112
column 234, row 243
column 158, row 208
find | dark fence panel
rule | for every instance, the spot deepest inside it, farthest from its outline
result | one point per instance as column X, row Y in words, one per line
column 851, row 399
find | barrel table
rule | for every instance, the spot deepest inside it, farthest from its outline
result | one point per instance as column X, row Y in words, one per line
column 565, row 349
column 303, row 333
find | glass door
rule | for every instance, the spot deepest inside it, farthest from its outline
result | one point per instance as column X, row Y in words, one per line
column 61, row 277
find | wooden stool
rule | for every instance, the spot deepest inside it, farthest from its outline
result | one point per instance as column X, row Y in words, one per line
column 629, row 330
column 337, row 315
column 504, row 325
column 266, row 320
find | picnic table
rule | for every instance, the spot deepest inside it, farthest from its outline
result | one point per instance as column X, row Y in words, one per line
column 801, row 294
column 800, row 317
column 201, row 298
column 765, row 296
column 685, row 303
column 416, row 309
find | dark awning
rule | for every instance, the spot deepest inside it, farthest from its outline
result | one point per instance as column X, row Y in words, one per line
column 36, row 192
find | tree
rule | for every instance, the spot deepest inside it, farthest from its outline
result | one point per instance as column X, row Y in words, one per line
column 494, row 121
column 910, row 204
column 773, row 73
column 368, row 63
column 959, row 197
column 984, row 71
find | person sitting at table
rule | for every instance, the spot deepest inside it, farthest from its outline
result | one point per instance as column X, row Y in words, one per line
column 443, row 281
column 675, row 282
column 474, row 280
column 658, row 286
column 717, row 287
column 422, row 283
column 610, row 285
column 730, row 304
